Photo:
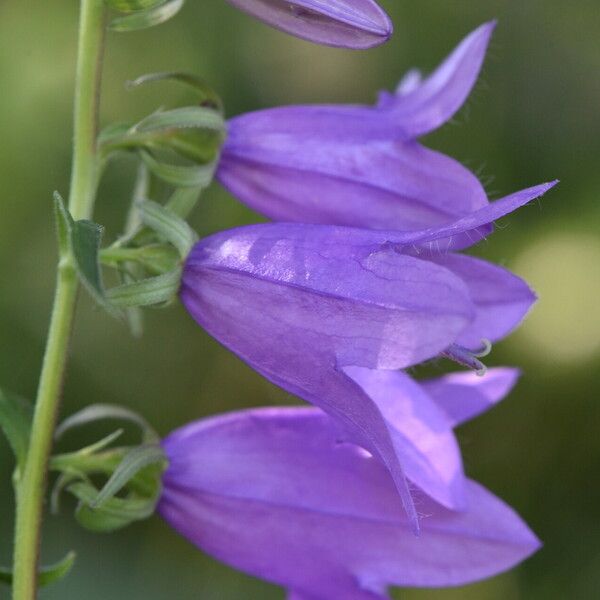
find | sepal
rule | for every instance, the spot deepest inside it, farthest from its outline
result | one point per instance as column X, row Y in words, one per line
column 134, row 473
column 180, row 146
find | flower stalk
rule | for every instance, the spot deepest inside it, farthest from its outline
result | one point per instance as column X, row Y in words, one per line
column 32, row 484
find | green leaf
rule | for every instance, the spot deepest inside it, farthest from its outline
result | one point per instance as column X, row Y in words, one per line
column 15, row 421
column 183, row 201
column 100, row 412
column 86, row 238
column 58, row 570
column 206, row 94
column 47, row 575
column 179, row 118
column 169, row 226
column 133, row 462
column 80, row 240
column 147, row 292
column 178, row 175
column 147, row 18
column 115, row 513
column 129, row 6
column 193, row 132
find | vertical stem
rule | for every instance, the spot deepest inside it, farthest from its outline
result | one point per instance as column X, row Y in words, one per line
column 32, row 485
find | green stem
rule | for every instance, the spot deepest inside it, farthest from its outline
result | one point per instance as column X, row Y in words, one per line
column 32, row 485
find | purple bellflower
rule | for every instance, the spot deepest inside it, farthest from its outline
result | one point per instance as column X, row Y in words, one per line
column 353, row 24
column 357, row 165
column 309, row 306
column 274, row 493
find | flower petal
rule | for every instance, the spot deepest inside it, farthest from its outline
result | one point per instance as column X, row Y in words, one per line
column 299, row 303
column 367, row 303
column 377, row 185
column 272, row 493
column 463, row 396
column 343, row 23
column 421, row 433
column 501, row 299
column 422, row 106
column 468, row 229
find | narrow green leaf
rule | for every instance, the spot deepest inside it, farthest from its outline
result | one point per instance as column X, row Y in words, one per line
column 81, row 240
column 148, row 292
column 99, row 412
column 133, row 462
column 115, row 513
column 15, row 421
column 147, row 18
column 178, row 175
column 206, row 94
column 86, row 238
column 168, row 225
column 193, row 132
column 183, row 201
column 57, row 571
column 183, row 118
column 129, row 6
column 47, row 575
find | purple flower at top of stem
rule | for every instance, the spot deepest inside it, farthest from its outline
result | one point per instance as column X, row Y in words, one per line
column 273, row 492
column 355, row 24
column 309, row 306
column 358, row 165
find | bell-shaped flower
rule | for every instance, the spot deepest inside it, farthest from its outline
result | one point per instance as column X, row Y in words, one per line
column 272, row 492
column 353, row 24
column 358, row 165
column 305, row 304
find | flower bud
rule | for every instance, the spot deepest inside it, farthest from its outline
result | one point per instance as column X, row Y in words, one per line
column 353, row 24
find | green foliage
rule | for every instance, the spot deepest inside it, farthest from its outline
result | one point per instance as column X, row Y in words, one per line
column 207, row 96
column 103, row 412
column 133, row 474
column 80, row 241
column 169, row 226
column 15, row 421
column 143, row 19
column 47, row 575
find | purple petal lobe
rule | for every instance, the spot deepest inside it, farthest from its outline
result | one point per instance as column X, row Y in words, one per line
column 463, row 396
column 459, row 234
column 343, row 23
column 373, row 184
column 422, row 106
column 421, row 433
column 300, row 303
column 501, row 299
column 271, row 492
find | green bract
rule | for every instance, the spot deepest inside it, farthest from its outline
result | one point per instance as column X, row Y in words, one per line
column 133, row 474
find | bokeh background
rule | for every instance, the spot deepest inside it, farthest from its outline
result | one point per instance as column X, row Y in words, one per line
column 533, row 117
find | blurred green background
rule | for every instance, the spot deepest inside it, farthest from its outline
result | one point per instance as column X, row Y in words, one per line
column 533, row 117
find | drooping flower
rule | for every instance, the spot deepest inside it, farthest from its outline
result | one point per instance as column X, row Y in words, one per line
column 273, row 492
column 305, row 304
column 357, row 165
column 353, row 24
